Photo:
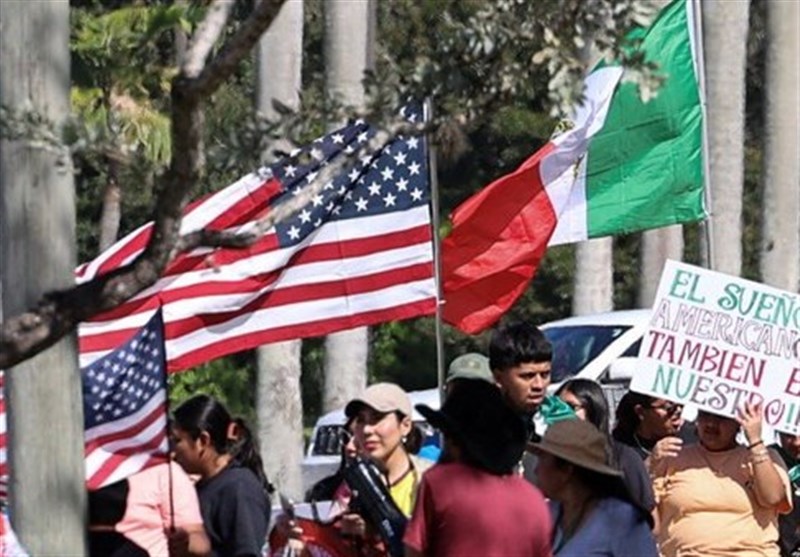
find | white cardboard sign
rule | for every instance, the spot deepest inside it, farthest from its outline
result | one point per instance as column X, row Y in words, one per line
column 718, row 341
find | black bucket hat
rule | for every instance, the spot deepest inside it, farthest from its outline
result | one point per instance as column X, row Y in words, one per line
column 489, row 432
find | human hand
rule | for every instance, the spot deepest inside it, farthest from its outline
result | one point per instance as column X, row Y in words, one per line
column 664, row 449
column 177, row 542
column 352, row 524
column 750, row 418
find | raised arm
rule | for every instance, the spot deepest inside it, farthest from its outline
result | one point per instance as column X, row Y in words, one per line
column 770, row 487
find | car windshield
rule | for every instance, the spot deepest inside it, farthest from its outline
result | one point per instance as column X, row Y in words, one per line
column 575, row 346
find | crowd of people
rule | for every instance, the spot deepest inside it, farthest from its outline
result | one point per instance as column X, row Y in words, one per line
column 651, row 485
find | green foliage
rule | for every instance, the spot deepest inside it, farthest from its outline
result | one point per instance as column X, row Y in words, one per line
column 231, row 380
column 474, row 57
column 129, row 48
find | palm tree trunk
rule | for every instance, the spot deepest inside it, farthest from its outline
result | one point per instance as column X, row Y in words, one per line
column 112, row 212
column 780, row 242
column 657, row 246
column 347, row 47
column 279, row 406
column 725, row 25
column 594, row 277
column 37, row 236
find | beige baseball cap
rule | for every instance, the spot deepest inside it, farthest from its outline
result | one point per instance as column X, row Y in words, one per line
column 383, row 397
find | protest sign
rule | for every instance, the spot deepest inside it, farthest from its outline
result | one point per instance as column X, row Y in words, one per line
column 717, row 341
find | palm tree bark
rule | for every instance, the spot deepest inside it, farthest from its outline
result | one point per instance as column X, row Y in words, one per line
column 279, row 406
column 37, row 216
column 594, row 277
column 658, row 245
column 346, row 56
column 112, row 212
column 725, row 26
column 780, row 242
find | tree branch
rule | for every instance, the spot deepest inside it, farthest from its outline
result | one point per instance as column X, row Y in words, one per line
column 229, row 56
column 25, row 335
column 207, row 34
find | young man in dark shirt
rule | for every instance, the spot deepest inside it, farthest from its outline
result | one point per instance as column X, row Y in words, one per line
column 520, row 357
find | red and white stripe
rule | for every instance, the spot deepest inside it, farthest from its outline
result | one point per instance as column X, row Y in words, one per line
column 118, row 449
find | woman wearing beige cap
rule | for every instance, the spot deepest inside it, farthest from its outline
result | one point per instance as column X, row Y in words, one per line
column 592, row 511
column 382, row 424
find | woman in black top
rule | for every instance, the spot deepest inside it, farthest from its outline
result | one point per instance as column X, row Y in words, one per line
column 233, row 489
column 587, row 399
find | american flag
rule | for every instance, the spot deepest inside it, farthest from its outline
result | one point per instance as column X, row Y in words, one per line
column 125, row 408
column 359, row 253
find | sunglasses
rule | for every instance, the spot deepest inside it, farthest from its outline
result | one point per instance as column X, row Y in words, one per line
column 669, row 408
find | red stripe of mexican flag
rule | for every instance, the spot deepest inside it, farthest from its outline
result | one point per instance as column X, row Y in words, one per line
column 623, row 165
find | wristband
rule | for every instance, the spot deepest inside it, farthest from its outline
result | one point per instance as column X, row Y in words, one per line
column 756, row 444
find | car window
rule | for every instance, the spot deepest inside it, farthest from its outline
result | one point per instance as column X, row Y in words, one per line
column 575, row 346
column 633, row 350
column 328, row 440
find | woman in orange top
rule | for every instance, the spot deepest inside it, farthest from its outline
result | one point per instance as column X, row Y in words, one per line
column 718, row 497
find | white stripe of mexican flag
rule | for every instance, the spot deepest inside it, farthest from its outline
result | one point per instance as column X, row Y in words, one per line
column 634, row 165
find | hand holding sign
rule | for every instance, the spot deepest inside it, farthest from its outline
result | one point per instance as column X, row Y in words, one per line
column 751, row 420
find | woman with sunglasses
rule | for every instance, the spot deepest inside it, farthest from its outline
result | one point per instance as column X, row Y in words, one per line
column 642, row 421
column 718, row 497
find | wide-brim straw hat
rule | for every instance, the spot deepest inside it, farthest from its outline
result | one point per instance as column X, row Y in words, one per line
column 577, row 442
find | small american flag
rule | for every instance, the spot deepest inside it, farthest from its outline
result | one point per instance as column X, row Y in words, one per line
column 9, row 544
column 125, row 408
column 359, row 253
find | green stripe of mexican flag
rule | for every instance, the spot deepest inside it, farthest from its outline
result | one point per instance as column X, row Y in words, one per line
column 639, row 164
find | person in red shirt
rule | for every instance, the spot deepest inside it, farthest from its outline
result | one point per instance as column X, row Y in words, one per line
column 472, row 502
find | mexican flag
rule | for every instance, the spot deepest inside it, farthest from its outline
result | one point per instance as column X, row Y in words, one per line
column 621, row 165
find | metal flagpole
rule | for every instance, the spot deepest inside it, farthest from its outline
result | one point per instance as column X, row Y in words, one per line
column 437, row 250
column 171, row 491
column 699, row 55
column 170, row 484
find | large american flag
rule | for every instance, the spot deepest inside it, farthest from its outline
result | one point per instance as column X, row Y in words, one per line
column 125, row 408
column 359, row 253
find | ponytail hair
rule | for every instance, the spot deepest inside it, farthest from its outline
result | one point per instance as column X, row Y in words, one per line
column 626, row 418
column 244, row 450
column 228, row 435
